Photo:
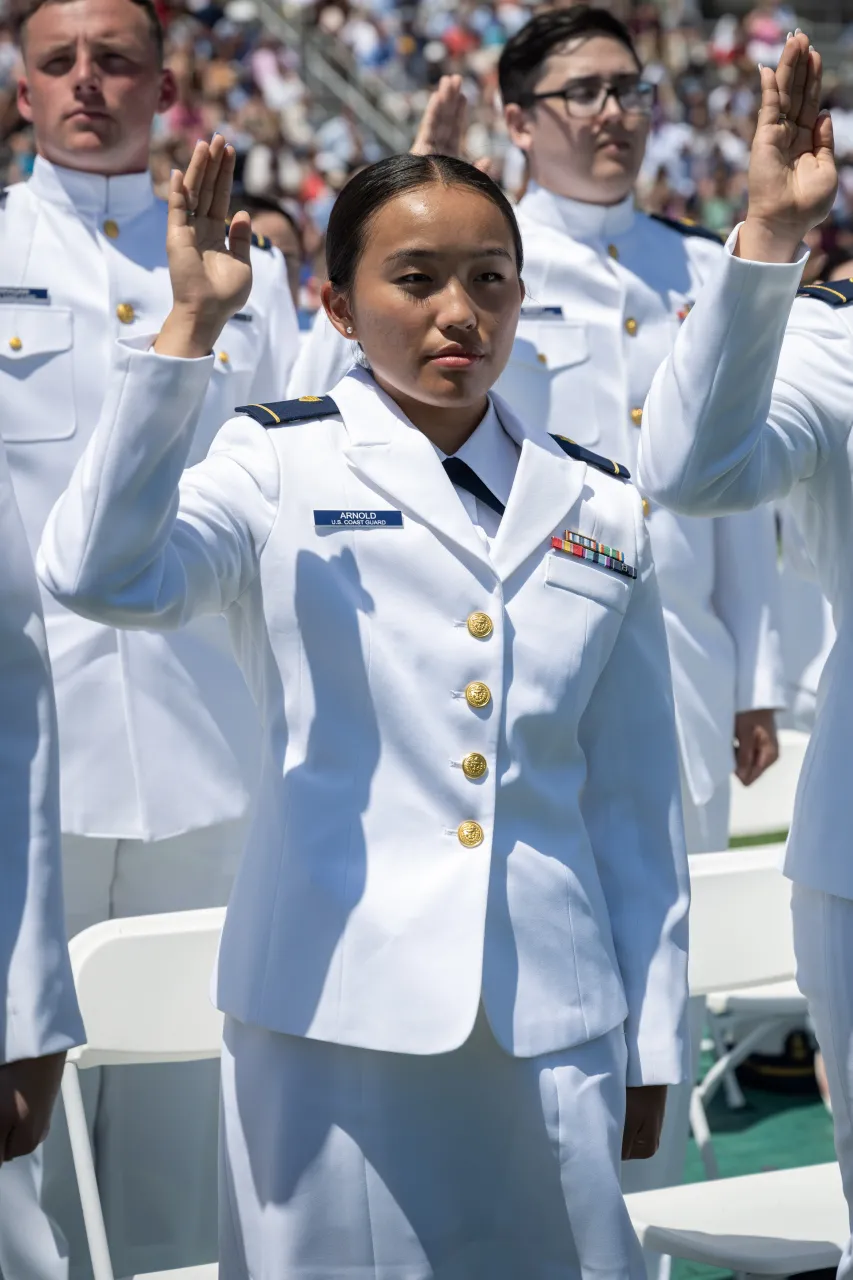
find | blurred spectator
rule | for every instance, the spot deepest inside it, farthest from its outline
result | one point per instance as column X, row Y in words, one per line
column 296, row 143
column 281, row 224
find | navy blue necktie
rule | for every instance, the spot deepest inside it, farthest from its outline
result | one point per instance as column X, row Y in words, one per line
column 464, row 477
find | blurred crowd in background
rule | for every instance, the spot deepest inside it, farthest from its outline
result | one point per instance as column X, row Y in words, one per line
column 295, row 150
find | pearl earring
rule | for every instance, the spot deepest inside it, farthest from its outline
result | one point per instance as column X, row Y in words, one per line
column 349, row 328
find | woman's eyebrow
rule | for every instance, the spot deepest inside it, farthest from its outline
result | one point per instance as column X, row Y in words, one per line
column 479, row 251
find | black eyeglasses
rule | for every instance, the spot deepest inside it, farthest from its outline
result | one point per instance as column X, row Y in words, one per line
column 587, row 97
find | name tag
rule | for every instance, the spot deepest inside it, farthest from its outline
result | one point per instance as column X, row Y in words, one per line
column 541, row 313
column 12, row 294
column 358, row 519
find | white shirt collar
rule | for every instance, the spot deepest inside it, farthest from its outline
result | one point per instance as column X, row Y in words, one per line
column 585, row 222
column 491, row 453
column 490, row 450
column 91, row 194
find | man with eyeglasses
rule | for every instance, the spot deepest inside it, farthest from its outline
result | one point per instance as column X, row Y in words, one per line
column 607, row 290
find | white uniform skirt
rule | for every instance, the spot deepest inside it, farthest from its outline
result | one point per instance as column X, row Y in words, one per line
column 338, row 1162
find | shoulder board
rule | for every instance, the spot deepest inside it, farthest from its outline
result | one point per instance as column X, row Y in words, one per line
column 580, row 454
column 685, row 227
column 258, row 242
column 837, row 294
column 282, row 412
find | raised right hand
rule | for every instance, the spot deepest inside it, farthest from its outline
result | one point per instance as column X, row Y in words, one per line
column 443, row 122
column 211, row 274
column 792, row 175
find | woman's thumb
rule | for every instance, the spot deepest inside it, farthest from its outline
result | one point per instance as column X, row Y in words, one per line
column 824, row 140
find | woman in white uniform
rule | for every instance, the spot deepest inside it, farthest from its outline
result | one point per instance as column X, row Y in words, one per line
column 454, row 963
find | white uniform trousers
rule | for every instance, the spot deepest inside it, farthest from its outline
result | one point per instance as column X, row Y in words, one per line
column 153, row 1127
column 706, row 826
column 823, row 940
column 706, row 830
column 339, row 1163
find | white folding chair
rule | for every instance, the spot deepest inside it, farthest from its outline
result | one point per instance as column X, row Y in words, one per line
column 741, row 941
column 766, row 1224
column 144, row 990
column 767, row 807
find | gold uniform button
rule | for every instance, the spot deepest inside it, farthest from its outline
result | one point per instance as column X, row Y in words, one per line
column 125, row 313
column 480, row 625
column 541, row 357
column 474, row 765
column 111, row 229
column 15, row 344
column 647, row 507
column 637, row 417
column 224, row 357
column 478, row 695
column 631, row 327
column 613, row 251
column 470, row 834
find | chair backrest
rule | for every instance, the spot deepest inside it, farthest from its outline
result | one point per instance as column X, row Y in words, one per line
column 740, row 920
column 144, row 988
column 767, row 807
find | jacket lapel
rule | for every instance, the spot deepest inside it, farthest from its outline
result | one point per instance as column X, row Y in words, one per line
column 398, row 461
column 547, row 485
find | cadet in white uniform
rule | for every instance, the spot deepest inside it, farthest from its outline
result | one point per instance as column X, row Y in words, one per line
column 39, row 1018
column 459, row 930
column 721, row 434
column 159, row 739
column 607, row 288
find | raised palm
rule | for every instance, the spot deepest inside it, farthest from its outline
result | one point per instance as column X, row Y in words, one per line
column 211, row 273
column 792, row 174
column 443, row 122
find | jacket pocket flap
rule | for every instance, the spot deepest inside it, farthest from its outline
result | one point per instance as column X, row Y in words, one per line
column 588, row 579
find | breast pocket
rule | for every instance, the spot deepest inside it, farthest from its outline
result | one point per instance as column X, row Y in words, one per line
column 36, row 352
column 584, row 578
column 550, row 379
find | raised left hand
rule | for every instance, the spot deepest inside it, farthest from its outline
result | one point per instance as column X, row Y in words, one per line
column 756, row 744
column 792, row 174
column 645, row 1107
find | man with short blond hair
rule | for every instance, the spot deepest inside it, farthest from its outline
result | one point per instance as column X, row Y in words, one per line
column 159, row 739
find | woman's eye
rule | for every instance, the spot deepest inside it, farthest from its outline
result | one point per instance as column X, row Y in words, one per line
column 414, row 277
column 491, row 277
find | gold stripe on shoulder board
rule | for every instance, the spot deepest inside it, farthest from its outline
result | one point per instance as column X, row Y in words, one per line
column 266, row 409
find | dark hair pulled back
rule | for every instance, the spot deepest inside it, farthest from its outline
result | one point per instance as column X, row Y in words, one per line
column 372, row 188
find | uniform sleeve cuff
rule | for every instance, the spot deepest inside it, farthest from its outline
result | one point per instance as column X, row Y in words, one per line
column 144, row 343
column 794, row 269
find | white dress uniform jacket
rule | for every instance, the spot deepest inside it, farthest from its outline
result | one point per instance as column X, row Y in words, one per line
column 365, row 912
column 607, row 291
column 158, row 734
column 721, row 434
column 38, row 1007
